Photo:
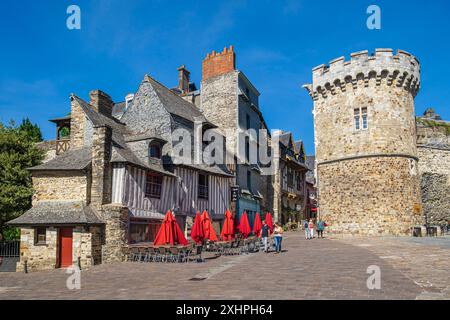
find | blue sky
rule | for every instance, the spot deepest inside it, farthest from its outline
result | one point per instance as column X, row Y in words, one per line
column 277, row 43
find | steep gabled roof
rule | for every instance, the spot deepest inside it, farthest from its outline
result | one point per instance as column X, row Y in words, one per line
column 58, row 213
column 119, row 109
column 311, row 164
column 173, row 103
column 286, row 139
column 118, row 128
column 78, row 159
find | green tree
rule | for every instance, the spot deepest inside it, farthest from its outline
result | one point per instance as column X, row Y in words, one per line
column 31, row 130
column 18, row 152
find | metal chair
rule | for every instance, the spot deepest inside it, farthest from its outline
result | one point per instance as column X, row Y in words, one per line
column 174, row 255
column 150, row 256
column 160, row 254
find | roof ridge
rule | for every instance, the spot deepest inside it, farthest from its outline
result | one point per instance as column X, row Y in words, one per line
column 171, row 92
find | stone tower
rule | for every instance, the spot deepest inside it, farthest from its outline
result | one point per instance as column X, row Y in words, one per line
column 365, row 140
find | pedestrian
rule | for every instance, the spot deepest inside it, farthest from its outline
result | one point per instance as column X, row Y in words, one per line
column 320, row 228
column 265, row 232
column 306, row 226
column 278, row 237
column 311, row 228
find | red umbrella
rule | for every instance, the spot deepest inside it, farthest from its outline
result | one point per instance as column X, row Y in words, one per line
column 244, row 226
column 257, row 225
column 269, row 221
column 197, row 233
column 170, row 232
column 228, row 227
column 208, row 229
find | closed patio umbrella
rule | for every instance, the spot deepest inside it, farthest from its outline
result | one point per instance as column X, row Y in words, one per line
column 257, row 225
column 244, row 225
column 228, row 227
column 269, row 221
column 170, row 232
column 197, row 234
column 208, row 229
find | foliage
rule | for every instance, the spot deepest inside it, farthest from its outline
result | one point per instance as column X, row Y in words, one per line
column 11, row 233
column 64, row 132
column 17, row 153
column 32, row 131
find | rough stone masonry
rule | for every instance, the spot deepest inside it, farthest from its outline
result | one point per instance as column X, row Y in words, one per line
column 365, row 139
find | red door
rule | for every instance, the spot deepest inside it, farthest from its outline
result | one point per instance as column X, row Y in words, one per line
column 65, row 245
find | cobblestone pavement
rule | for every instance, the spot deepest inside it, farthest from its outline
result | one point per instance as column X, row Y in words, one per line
column 426, row 261
column 307, row 269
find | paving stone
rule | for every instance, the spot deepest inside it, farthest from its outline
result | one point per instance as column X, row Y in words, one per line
column 316, row 269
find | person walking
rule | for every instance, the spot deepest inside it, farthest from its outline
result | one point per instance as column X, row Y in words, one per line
column 265, row 232
column 278, row 237
column 320, row 228
column 311, row 228
column 306, row 226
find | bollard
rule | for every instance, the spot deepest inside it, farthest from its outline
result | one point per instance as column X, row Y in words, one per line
column 25, row 266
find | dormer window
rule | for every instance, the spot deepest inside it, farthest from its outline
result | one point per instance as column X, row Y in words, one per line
column 154, row 151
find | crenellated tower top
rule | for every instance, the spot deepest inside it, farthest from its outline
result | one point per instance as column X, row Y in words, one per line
column 401, row 70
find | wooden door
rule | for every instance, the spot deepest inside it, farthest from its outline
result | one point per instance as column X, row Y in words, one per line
column 65, row 247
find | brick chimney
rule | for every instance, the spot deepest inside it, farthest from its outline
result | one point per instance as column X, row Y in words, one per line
column 101, row 102
column 218, row 63
column 183, row 79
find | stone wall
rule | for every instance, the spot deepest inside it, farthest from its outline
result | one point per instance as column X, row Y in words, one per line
column 368, row 179
column 116, row 233
column 37, row 257
column 87, row 243
column 370, row 196
column 101, row 168
column 434, row 166
column 77, row 125
column 60, row 185
column 219, row 105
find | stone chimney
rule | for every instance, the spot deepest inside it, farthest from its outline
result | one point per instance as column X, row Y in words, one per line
column 101, row 102
column 77, row 124
column 101, row 167
column 183, row 79
column 128, row 99
column 219, row 63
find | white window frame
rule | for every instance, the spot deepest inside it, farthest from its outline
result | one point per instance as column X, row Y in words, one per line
column 360, row 119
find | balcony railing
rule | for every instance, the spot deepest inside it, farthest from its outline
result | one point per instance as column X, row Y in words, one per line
column 62, row 145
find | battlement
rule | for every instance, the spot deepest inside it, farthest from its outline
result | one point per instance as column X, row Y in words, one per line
column 401, row 69
column 217, row 63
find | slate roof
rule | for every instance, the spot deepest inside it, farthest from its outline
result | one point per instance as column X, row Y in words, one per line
column 78, row 159
column 121, row 135
column 298, row 145
column 124, row 154
column 58, row 213
column 310, row 163
column 119, row 109
column 174, row 104
column 216, row 169
column 285, row 138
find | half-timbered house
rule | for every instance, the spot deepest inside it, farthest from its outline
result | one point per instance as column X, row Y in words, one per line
column 109, row 182
column 289, row 182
